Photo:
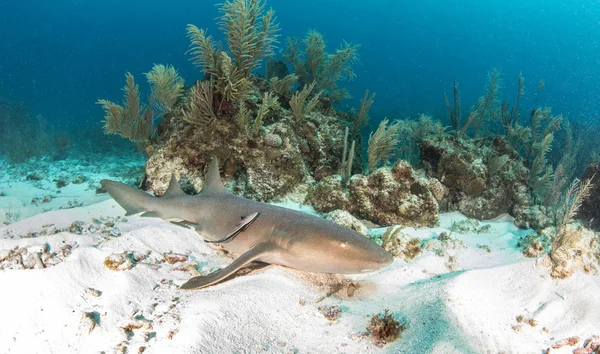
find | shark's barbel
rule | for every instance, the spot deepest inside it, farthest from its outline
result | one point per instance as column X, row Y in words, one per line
column 256, row 231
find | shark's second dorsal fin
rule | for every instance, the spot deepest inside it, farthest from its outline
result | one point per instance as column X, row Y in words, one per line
column 174, row 190
column 212, row 180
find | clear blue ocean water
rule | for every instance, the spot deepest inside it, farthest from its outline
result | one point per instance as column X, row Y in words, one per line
column 59, row 57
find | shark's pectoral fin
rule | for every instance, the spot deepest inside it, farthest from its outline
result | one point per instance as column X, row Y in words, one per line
column 215, row 277
column 242, row 226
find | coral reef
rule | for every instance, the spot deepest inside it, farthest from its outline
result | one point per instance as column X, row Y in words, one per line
column 579, row 250
column 280, row 137
column 264, row 167
column 274, row 143
column 484, row 178
column 388, row 196
column 564, row 250
column 314, row 65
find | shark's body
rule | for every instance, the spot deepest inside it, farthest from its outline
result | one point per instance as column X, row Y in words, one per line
column 256, row 231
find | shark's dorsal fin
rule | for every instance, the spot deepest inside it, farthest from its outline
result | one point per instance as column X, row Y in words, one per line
column 212, row 180
column 174, row 190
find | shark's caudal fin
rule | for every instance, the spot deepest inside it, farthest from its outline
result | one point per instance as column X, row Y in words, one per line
column 134, row 201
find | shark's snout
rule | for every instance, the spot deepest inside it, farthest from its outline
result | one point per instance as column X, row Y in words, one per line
column 386, row 259
column 360, row 256
column 380, row 260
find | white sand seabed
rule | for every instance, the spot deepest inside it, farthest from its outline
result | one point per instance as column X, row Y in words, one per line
column 472, row 309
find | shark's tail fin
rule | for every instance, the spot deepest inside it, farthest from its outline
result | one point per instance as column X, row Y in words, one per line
column 134, row 201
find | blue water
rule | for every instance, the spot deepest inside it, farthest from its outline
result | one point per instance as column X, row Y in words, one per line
column 59, row 57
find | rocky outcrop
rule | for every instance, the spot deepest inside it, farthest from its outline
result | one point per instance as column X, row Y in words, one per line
column 388, row 196
column 263, row 166
column 484, row 178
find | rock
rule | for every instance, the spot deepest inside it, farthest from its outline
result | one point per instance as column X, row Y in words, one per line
column 476, row 187
column 389, row 196
column 174, row 258
column 118, row 262
column 344, row 218
column 265, row 166
column 483, row 180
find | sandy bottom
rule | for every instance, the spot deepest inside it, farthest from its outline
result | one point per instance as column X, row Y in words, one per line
column 87, row 280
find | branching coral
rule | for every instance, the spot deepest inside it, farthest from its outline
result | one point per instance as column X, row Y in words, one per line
column 345, row 169
column 242, row 118
column 413, row 132
column 284, row 85
column 541, row 174
column 487, row 105
column 268, row 104
column 454, row 110
column 131, row 120
column 381, row 143
column 535, row 141
column 203, row 49
column 486, row 108
column 316, row 65
column 166, row 85
column 564, row 239
column 300, row 107
column 362, row 116
column 570, row 149
column 200, row 108
column 251, row 34
column 537, row 145
column 574, row 197
column 511, row 119
column 400, row 244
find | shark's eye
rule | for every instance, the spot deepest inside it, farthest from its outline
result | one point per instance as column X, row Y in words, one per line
column 343, row 245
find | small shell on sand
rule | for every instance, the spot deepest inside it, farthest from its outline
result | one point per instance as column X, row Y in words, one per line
column 174, row 258
column 119, row 261
column 93, row 292
column 571, row 341
column 88, row 322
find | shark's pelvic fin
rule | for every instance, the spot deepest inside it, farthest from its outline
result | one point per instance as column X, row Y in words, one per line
column 242, row 226
column 212, row 180
column 174, row 190
column 254, row 253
